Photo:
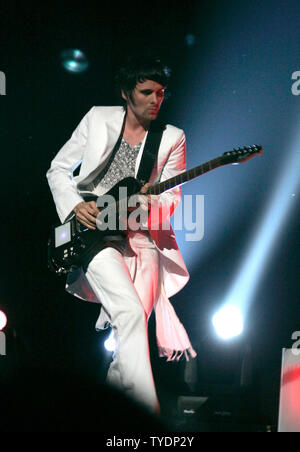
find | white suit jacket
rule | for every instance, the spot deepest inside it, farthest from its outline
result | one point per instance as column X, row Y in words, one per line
column 91, row 145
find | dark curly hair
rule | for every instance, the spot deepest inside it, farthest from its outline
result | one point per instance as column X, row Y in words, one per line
column 138, row 69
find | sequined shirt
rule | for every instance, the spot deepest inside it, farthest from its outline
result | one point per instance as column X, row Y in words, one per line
column 122, row 165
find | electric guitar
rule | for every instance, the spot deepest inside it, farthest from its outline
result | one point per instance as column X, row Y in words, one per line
column 71, row 245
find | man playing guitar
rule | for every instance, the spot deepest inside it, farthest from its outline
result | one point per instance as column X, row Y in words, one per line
column 131, row 275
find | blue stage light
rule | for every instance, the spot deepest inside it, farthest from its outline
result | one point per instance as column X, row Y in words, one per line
column 74, row 60
column 242, row 293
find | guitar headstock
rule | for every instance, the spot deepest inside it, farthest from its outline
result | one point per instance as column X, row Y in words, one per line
column 241, row 155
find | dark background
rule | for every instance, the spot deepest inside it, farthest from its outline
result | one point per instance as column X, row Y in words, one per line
column 231, row 87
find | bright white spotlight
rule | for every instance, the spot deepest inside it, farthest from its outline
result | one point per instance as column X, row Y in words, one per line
column 228, row 322
column 3, row 320
column 110, row 343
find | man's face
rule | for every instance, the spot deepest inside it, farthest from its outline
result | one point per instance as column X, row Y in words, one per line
column 146, row 99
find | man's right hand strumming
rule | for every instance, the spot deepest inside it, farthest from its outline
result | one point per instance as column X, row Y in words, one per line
column 86, row 213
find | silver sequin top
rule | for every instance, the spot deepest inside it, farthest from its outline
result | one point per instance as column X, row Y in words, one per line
column 122, row 165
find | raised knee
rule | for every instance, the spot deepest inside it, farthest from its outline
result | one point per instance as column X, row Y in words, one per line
column 105, row 255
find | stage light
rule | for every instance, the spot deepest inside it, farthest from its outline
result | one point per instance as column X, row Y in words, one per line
column 74, row 60
column 228, row 322
column 242, row 292
column 269, row 229
column 110, row 343
column 190, row 39
column 3, row 320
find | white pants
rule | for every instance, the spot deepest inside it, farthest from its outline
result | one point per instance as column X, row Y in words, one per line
column 128, row 306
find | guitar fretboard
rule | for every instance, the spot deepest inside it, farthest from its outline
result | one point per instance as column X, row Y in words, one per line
column 235, row 156
column 186, row 176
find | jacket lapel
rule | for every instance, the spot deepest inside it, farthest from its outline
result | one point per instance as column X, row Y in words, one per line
column 114, row 127
column 107, row 138
column 139, row 156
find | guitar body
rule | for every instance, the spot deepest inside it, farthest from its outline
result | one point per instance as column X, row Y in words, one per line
column 71, row 245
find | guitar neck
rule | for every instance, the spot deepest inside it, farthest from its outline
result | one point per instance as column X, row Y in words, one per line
column 186, row 176
column 232, row 157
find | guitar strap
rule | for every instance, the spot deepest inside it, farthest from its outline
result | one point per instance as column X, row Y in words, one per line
column 150, row 151
column 147, row 161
